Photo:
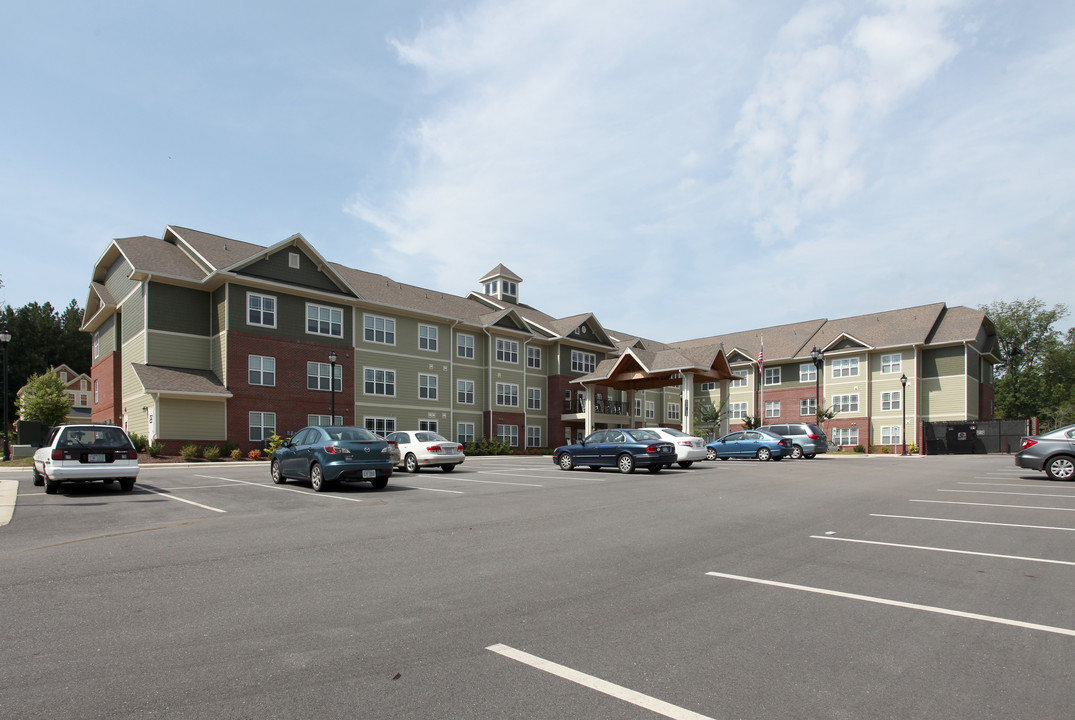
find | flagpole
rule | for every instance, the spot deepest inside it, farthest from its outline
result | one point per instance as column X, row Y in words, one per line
column 761, row 381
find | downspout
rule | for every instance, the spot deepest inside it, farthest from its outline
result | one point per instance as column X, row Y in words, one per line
column 489, row 394
column 452, row 396
column 526, row 390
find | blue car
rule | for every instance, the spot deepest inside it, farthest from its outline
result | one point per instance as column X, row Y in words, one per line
column 325, row 455
column 623, row 448
column 760, row 444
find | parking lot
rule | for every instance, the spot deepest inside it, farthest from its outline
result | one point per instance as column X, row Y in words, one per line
column 841, row 587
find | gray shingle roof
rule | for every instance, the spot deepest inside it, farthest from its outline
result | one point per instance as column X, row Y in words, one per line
column 183, row 381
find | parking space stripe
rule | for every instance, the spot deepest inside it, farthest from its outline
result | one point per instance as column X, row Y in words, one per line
column 937, row 549
column 494, row 482
column 143, row 486
column 902, row 604
column 602, row 686
column 975, row 522
column 1006, row 492
column 415, row 487
column 1019, row 507
column 308, row 493
column 997, row 484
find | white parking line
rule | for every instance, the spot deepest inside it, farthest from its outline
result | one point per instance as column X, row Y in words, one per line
column 937, row 549
column 975, row 522
column 142, row 486
column 900, row 603
column 1020, row 507
column 287, row 489
column 415, row 487
column 1005, row 492
column 603, row 686
column 495, row 482
column 996, row 484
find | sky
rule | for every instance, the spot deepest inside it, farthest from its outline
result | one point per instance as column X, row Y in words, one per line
column 681, row 168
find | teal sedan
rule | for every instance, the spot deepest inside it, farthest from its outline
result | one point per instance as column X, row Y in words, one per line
column 760, row 444
column 326, row 455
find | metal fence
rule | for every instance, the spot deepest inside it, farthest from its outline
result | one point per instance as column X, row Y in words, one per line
column 980, row 436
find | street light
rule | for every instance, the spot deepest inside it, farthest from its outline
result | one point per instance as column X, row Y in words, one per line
column 332, row 384
column 5, row 338
column 903, row 404
column 818, row 356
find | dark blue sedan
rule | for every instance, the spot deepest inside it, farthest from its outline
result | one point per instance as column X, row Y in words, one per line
column 760, row 444
column 623, row 448
column 325, row 455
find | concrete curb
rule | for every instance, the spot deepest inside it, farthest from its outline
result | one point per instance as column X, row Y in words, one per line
column 9, row 490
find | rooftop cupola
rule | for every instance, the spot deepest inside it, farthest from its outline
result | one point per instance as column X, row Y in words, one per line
column 501, row 284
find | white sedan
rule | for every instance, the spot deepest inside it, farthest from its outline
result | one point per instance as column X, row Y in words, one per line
column 82, row 453
column 421, row 448
column 688, row 447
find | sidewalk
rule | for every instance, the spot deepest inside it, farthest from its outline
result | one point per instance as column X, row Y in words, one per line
column 8, row 490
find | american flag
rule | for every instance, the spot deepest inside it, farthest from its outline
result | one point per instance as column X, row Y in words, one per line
column 761, row 354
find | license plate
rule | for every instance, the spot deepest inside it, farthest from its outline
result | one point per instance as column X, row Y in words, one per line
column 95, row 457
column 369, row 473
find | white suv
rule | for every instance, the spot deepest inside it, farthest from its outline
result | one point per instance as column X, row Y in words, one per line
column 688, row 447
column 82, row 453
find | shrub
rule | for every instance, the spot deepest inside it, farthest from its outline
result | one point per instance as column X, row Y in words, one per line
column 912, row 448
column 190, row 452
column 487, row 447
column 140, row 442
column 211, row 452
column 228, row 448
column 860, row 449
column 155, row 449
column 236, row 454
column 885, row 449
column 254, row 454
column 275, row 443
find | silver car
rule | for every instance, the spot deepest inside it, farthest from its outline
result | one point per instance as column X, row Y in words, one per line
column 1053, row 452
column 83, row 453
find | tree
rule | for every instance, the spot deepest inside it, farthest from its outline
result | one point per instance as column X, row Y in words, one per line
column 1027, row 342
column 707, row 418
column 45, row 400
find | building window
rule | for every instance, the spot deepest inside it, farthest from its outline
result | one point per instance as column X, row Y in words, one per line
column 672, row 411
column 380, row 382
column 638, row 407
column 737, row 411
column 845, row 403
column 508, row 434
column 845, row 367
column 318, row 374
column 322, row 320
column 772, row 376
column 507, row 394
column 464, row 346
column 583, row 362
column 533, row 357
column 262, row 370
column 262, row 426
column 427, row 338
column 808, row 406
column 772, row 408
column 490, row 287
column 533, row 398
column 96, row 392
column 96, row 345
column 890, row 401
column 324, row 420
column 651, row 410
column 707, row 387
column 891, row 364
column 742, row 381
column 807, row 372
column 260, row 310
column 507, row 351
column 464, row 432
column 379, row 329
column 845, row 436
column 890, row 435
column 381, row 426
column 533, row 436
column 465, row 391
column 427, row 387
column 428, row 425
column 510, row 288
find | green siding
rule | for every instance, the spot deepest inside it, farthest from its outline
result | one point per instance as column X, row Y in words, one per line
column 108, row 341
column 942, row 398
column 218, row 356
column 219, row 310
column 117, row 282
column 132, row 317
column 185, row 351
column 942, row 362
column 192, row 420
column 974, row 364
column 290, row 316
column 277, row 267
column 178, row 310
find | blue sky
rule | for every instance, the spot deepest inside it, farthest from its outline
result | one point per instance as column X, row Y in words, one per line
column 679, row 168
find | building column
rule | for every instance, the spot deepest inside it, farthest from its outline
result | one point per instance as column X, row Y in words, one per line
column 687, row 405
column 589, row 422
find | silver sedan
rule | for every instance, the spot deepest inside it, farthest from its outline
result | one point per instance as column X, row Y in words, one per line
column 1053, row 452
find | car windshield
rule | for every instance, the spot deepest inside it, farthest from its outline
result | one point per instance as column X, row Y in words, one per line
column 429, row 437
column 352, row 434
column 93, row 437
column 675, row 433
column 645, row 435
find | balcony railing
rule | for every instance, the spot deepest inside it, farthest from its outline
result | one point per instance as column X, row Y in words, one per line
column 600, row 407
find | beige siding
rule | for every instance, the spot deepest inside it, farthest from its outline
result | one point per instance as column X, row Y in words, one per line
column 942, row 398
column 185, row 351
column 137, row 418
column 218, row 356
column 192, row 420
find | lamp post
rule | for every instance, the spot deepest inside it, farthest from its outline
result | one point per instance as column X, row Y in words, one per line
column 332, row 384
column 818, row 356
column 903, row 404
column 5, row 338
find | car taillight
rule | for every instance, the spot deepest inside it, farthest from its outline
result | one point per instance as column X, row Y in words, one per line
column 433, row 448
column 653, row 449
column 126, row 455
column 1027, row 442
column 684, row 443
column 813, row 437
column 57, row 455
column 333, row 449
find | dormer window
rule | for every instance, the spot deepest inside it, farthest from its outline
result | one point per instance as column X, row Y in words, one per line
column 491, row 288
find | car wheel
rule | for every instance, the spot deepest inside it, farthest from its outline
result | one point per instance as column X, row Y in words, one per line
column 447, row 468
column 277, row 473
column 626, row 463
column 565, row 461
column 126, row 485
column 765, row 454
column 51, row 486
column 1061, row 467
column 686, row 463
column 379, row 483
column 38, row 479
column 410, row 463
column 710, row 454
column 655, row 468
column 796, row 452
column 317, row 478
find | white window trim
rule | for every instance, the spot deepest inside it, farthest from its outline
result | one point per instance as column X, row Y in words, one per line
column 424, row 384
column 467, row 390
column 459, row 345
column 507, row 351
column 433, row 338
column 375, row 370
column 507, row 391
column 807, row 372
column 387, row 320
column 772, row 372
column 336, row 380
column 261, row 370
column 898, row 363
column 275, row 311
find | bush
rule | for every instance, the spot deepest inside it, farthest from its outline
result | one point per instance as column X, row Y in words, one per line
column 254, row 454
column 236, row 454
column 275, row 443
column 155, row 449
column 190, row 452
column 228, row 448
column 211, row 452
column 140, row 441
column 487, row 447
column 860, row 449
column 913, row 448
column 885, row 449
